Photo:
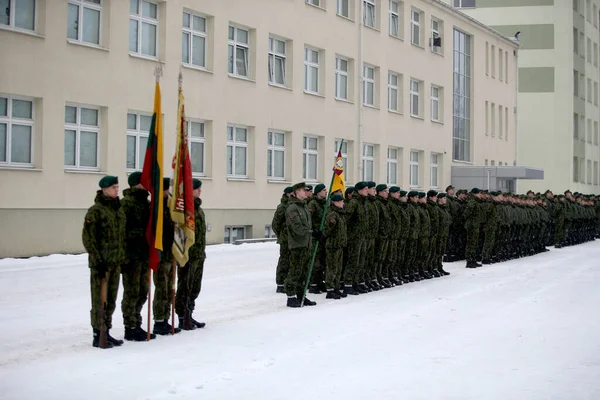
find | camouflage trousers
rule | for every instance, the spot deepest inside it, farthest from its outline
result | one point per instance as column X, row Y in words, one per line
column 489, row 242
column 357, row 253
column 369, row 267
column 283, row 265
column 410, row 259
column 333, row 273
column 318, row 273
column 381, row 262
column 135, row 292
column 299, row 264
column 112, row 288
column 163, row 291
column 392, row 258
column 559, row 231
column 423, row 254
column 433, row 254
column 189, row 284
column 402, row 262
column 472, row 243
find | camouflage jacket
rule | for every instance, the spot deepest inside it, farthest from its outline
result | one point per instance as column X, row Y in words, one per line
column 490, row 223
column 415, row 221
column 103, row 233
column 425, row 221
column 316, row 207
column 372, row 227
column 444, row 219
column 298, row 223
column 136, row 207
column 407, row 223
column 278, row 222
column 335, row 228
column 396, row 220
column 356, row 217
column 384, row 218
column 198, row 249
column 473, row 213
column 434, row 218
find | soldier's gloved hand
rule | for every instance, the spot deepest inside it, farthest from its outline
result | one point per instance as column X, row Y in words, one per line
column 101, row 271
column 317, row 235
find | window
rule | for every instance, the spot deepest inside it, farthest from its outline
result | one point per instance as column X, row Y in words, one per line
column 493, row 127
column 436, row 114
column 341, row 78
column 276, row 61
column 392, row 166
column 143, row 28
column 589, row 90
column 233, row 233
column 595, row 14
column 582, row 86
column 314, row 2
column 369, row 85
column 394, row 18
column 576, row 83
column 370, row 19
column 197, row 143
column 436, row 28
column 595, row 172
column 368, row 161
column 506, row 66
column 393, row 91
column 588, row 11
column 500, row 65
column 576, row 126
column 582, row 128
column 575, row 41
column 238, row 48
column 589, row 131
column 464, row 3
column 84, row 19
column 276, row 155
column 493, row 61
column 461, row 129
column 344, row 155
column 19, row 14
column 505, row 123
column 596, row 93
column 487, row 58
column 589, row 50
column 16, row 131
column 596, row 54
column 575, row 5
column 414, row 169
column 582, row 170
column 434, row 170
column 500, row 120
column 138, row 128
column 343, row 8
column 269, row 232
column 487, row 117
column 193, row 40
column 311, row 70
column 310, row 156
column 414, row 98
column 237, row 151
column 492, row 163
column 82, row 127
column 415, row 27
column 596, row 133
column 582, row 44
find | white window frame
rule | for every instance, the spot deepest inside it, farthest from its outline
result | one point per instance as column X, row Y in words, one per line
column 336, row 146
column 368, row 84
column 138, row 134
column 370, row 5
column 415, row 24
column 81, row 4
column 140, row 19
column 368, row 159
column 78, row 127
column 306, row 152
column 272, row 148
column 436, row 103
column 434, row 170
column 12, row 18
column 9, row 121
column 413, row 178
column 316, row 3
column 500, row 65
column 394, row 18
column 435, row 33
column 340, row 8
column 393, row 91
column 235, row 45
column 416, row 94
column 500, row 121
column 392, row 165
column 310, row 68
column 493, row 126
column 339, row 73
column 274, row 57
column 192, row 32
column 200, row 140
column 235, row 144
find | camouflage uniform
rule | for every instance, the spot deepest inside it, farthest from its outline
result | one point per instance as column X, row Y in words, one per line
column 382, row 269
column 280, row 229
column 490, row 226
column 299, row 228
column 434, row 218
column 424, row 244
column 356, row 222
column 406, row 230
column 413, row 239
column 335, row 232
column 316, row 207
column 472, row 217
column 369, row 272
column 163, row 277
column 443, row 232
column 395, row 232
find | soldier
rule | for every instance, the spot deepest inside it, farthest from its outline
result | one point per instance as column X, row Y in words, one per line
column 443, row 232
column 309, row 193
column 472, row 215
column 316, row 207
column 348, row 197
column 279, row 228
column 380, row 277
column 163, row 277
column 424, row 246
column 370, row 267
column 136, row 207
column 336, row 240
column 434, row 218
column 395, row 273
column 356, row 222
column 103, row 237
column 189, row 282
column 413, row 239
column 405, row 231
column 490, row 226
column 559, row 233
column 300, row 234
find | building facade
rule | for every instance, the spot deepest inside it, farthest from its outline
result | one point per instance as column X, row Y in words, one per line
column 271, row 88
column 558, row 84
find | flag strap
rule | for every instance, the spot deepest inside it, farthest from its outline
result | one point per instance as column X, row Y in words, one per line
column 312, row 261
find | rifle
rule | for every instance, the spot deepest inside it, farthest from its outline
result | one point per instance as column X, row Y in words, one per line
column 103, row 340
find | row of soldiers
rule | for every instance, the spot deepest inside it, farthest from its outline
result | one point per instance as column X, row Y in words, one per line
column 114, row 235
column 376, row 237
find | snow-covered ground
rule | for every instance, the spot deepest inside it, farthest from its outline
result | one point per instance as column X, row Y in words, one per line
column 523, row 330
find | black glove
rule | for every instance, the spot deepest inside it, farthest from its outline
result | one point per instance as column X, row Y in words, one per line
column 101, row 270
column 317, row 235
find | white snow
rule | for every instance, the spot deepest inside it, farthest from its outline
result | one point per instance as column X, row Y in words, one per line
column 525, row 330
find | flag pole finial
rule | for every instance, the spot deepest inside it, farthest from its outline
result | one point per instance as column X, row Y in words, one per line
column 158, row 71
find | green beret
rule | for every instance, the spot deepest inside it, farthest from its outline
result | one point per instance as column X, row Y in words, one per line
column 441, row 195
column 360, row 185
column 495, row 193
column 530, row 191
column 413, row 193
column 349, row 189
column 135, row 178
column 403, row 193
column 308, row 187
column 300, row 185
column 394, row 189
column 371, row 184
column 319, row 187
column 288, row 190
column 337, row 197
column 422, row 194
column 432, row 193
column 450, row 187
column 196, row 183
column 381, row 187
column 166, row 183
column 567, row 191
column 548, row 191
column 475, row 191
column 108, row 181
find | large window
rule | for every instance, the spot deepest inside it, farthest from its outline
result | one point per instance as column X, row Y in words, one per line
column 415, row 100
column 595, row 172
column 343, row 8
column 415, row 27
column 84, row 20
column 369, row 13
column 435, row 103
column 311, row 70
column 277, row 61
column 395, row 18
column 393, row 91
column 414, row 169
column 341, row 78
column 238, row 51
column 193, row 40
column 369, row 85
column 237, row 151
column 197, row 143
column 276, row 155
column 82, row 128
column 143, row 28
column 436, row 29
column 310, row 158
column 575, row 169
column 19, row 14
column 392, row 166
column 138, row 129
column 434, row 170
column 368, row 160
column 461, row 130
column 16, row 131
column 589, row 172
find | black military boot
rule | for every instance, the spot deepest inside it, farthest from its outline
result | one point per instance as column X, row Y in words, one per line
column 322, row 287
column 343, row 295
column 426, row 274
column 115, row 342
column 182, row 325
column 486, row 261
column 314, row 289
column 473, row 264
column 436, row 273
column 443, row 271
column 163, row 328
column 197, row 323
column 332, row 294
column 386, row 283
column 408, row 278
column 142, row 333
column 293, row 301
column 131, row 334
column 96, row 340
column 308, row 302
column 374, row 285
column 416, row 277
column 349, row 290
column 280, row 289
column 362, row 288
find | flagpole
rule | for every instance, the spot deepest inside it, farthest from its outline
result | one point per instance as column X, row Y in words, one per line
column 312, row 262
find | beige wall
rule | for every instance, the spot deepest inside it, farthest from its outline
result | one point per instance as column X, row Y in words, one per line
column 53, row 71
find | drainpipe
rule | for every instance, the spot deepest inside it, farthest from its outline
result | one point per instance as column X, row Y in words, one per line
column 360, row 91
column 488, row 179
column 516, row 110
